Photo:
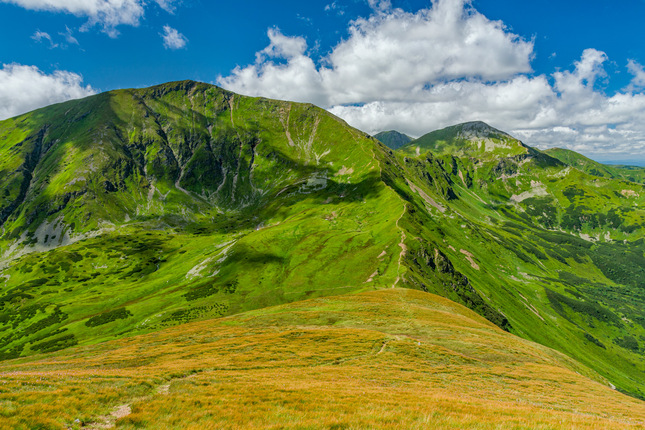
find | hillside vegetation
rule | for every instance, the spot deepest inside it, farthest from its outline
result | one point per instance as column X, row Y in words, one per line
column 133, row 211
column 159, row 206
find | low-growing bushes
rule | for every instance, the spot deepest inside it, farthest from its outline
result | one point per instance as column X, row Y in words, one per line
column 107, row 317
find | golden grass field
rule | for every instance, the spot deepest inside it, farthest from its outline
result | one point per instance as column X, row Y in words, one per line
column 383, row 359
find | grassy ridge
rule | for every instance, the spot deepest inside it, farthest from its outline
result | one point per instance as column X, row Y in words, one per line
column 184, row 150
column 394, row 358
column 580, row 162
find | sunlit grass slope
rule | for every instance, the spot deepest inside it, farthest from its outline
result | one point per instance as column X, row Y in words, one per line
column 394, row 358
column 471, row 139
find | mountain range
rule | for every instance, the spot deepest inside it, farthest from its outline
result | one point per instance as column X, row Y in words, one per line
column 160, row 240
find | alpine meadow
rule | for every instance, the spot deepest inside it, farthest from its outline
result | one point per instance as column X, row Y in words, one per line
column 335, row 236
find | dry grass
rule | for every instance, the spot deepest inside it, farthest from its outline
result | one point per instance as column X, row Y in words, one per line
column 386, row 359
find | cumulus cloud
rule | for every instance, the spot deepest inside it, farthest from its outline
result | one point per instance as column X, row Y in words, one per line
column 172, row 39
column 416, row 72
column 564, row 111
column 388, row 56
column 583, row 77
column 106, row 13
column 25, row 88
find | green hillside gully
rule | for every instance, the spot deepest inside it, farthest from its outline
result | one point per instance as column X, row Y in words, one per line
column 134, row 210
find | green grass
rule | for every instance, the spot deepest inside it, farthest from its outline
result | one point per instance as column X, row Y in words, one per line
column 136, row 210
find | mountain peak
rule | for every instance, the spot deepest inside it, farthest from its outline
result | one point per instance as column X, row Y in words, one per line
column 392, row 139
column 471, row 139
column 479, row 129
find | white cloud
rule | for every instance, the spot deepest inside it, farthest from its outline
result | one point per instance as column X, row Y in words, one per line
column 638, row 72
column 172, row 39
column 25, row 88
column 39, row 36
column 568, row 113
column 519, row 101
column 69, row 38
column 106, row 13
column 167, row 5
column 586, row 71
column 388, row 56
column 334, row 6
column 391, row 56
column 381, row 5
column 416, row 72
column 282, row 47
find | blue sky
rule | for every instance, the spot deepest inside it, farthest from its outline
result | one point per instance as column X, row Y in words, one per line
column 553, row 73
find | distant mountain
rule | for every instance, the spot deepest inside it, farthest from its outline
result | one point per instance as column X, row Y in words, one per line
column 470, row 139
column 580, row 162
column 137, row 210
column 392, row 139
column 629, row 173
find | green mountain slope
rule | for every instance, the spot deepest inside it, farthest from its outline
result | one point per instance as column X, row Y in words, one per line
column 136, row 210
column 580, row 162
column 179, row 202
column 558, row 252
column 629, row 173
column 415, row 359
column 392, row 139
